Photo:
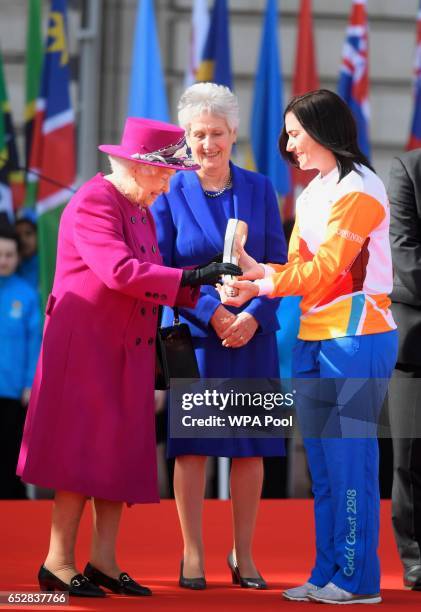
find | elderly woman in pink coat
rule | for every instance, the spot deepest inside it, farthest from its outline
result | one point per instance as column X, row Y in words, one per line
column 89, row 431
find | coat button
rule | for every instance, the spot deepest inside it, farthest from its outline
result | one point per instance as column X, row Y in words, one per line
column 138, row 341
column 142, row 248
column 143, row 311
column 154, row 310
column 153, row 248
column 155, row 296
column 163, row 296
column 148, row 294
column 133, row 219
column 144, row 220
column 150, row 341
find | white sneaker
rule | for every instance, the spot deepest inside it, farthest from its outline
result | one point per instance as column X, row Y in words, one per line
column 300, row 593
column 332, row 594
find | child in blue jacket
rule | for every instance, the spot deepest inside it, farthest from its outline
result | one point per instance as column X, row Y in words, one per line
column 20, row 337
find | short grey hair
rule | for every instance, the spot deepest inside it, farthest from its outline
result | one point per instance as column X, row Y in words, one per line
column 121, row 166
column 208, row 98
column 125, row 170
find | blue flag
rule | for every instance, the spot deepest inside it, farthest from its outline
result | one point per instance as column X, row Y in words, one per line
column 216, row 61
column 147, row 95
column 267, row 116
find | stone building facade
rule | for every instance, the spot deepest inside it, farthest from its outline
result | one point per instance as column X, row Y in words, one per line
column 392, row 46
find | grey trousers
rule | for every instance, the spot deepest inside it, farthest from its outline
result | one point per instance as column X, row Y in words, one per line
column 405, row 417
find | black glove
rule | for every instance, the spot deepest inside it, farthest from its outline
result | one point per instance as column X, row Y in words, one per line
column 209, row 274
column 217, row 258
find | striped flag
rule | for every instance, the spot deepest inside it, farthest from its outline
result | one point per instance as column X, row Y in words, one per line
column 198, row 36
column 53, row 143
column 11, row 178
column 415, row 136
column 34, row 55
column 268, row 104
column 147, row 94
column 216, row 60
column 306, row 79
column 353, row 78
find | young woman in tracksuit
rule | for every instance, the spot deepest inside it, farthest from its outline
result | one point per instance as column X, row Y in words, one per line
column 339, row 261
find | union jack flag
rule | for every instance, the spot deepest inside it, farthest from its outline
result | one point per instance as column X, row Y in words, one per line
column 414, row 141
column 353, row 78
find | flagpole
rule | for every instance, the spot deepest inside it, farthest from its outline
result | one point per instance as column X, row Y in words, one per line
column 90, row 49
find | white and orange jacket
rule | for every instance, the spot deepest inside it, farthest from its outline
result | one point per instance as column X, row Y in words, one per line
column 339, row 258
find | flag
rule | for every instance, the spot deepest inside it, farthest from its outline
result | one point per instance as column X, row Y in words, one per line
column 305, row 79
column 216, row 60
column 415, row 137
column 10, row 175
column 53, row 142
column 353, row 78
column 147, row 95
column 198, row 35
column 267, row 110
column 34, row 55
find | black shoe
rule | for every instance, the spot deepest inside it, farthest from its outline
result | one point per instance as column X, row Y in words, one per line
column 196, row 584
column 246, row 583
column 123, row 584
column 79, row 585
column 412, row 578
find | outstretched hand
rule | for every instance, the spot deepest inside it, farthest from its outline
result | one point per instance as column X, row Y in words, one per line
column 246, row 290
column 251, row 269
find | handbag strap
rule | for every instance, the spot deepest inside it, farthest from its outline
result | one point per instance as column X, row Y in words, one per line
column 176, row 316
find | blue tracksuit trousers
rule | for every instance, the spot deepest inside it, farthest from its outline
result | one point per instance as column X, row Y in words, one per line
column 344, row 471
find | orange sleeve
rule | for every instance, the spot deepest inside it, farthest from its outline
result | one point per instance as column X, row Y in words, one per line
column 294, row 243
column 351, row 221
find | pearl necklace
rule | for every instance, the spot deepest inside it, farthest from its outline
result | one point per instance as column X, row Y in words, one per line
column 215, row 194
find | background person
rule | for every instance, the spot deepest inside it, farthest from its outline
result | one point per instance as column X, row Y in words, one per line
column 339, row 261
column 229, row 342
column 26, row 228
column 20, row 337
column 404, row 395
column 90, row 425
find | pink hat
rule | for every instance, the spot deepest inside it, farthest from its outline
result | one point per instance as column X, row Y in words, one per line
column 154, row 143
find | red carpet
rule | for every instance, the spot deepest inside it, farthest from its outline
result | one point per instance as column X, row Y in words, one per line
column 150, row 548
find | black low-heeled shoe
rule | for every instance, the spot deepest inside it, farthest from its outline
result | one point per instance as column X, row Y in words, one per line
column 123, row 584
column 79, row 585
column 246, row 583
column 196, row 584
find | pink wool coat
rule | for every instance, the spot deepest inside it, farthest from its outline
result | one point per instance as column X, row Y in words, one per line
column 90, row 426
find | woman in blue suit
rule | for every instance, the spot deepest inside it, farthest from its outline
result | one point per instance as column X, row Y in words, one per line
column 229, row 342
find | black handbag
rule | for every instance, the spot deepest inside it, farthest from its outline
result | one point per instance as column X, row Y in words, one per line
column 175, row 356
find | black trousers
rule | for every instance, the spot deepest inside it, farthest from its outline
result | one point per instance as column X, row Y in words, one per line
column 12, row 419
column 405, row 422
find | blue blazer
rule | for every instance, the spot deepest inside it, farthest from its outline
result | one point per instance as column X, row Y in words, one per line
column 188, row 236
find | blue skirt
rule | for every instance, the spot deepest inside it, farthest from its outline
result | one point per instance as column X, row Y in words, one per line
column 258, row 359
